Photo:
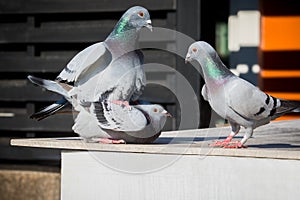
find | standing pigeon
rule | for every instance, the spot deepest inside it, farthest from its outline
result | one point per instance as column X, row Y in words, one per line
column 235, row 99
column 108, row 122
column 116, row 59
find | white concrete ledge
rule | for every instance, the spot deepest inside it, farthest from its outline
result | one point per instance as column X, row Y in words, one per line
column 277, row 140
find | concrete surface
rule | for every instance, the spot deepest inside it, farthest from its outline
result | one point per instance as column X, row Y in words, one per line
column 181, row 165
column 29, row 183
column 279, row 140
column 135, row 176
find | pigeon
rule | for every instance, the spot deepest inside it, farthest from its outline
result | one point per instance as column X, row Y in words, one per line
column 146, row 122
column 116, row 60
column 233, row 98
column 110, row 122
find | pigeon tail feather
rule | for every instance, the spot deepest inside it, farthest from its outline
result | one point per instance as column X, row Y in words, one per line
column 49, row 85
column 286, row 106
column 55, row 107
column 50, row 110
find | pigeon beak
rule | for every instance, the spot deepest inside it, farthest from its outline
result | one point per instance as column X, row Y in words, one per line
column 166, row 113
column 149, row 25
column 187, row 58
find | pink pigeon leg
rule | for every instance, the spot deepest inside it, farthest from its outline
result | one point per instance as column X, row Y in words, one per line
column 222, row 143
column 235, row 128
column 235, row 145
column 240, row 144
column 119, row 102
column 110, row 141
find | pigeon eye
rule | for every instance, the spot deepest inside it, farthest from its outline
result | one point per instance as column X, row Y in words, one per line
column 155, row 110
column 194, row 50
column 141, row 14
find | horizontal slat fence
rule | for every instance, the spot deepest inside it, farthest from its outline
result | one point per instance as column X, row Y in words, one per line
column 39, row 37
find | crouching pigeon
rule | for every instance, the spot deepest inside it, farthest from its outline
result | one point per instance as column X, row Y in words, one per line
column 109, row 122
column 235, row 99
column 106, row 122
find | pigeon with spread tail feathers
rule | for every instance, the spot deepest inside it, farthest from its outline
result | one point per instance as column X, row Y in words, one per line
column 113, row 67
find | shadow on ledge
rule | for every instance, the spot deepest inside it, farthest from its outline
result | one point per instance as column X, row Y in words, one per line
column 274, row 146
column 184, row 140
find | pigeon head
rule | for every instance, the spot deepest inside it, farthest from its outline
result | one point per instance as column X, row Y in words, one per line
column 199, row 49
column 139, row 17
column 209, row 60
column 134, row 18
column 159, row 111
column 158, row 115
column 154, row 110
column 124, row 37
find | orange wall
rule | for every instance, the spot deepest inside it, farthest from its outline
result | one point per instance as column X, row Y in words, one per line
column 279, row 33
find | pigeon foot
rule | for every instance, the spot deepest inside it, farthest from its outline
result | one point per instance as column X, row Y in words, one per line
column 110, row 141
column 234, row 145
column 122, row 103
column 219, row 143
column 222, row 143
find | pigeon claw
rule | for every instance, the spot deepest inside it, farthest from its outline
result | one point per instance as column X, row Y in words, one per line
column 222, row 143
column 219, row 144
column 234, row 145
column 110, row 141
column 122, row 103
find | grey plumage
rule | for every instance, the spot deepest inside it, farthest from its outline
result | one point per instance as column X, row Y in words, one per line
column 116, row 117
column 233, row 98
column 152, row 118
column 104, row 119
column 124, row 79
column 104, row 72
column 115, row 59
column 60, row 105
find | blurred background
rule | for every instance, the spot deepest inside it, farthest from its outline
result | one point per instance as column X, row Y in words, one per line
column 258, row 39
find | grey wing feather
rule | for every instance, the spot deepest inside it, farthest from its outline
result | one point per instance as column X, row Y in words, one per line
column 117, row 117
column 251, row 103
column 86, row 126
column 49, row 85
column 82, row 62
column 248, row 101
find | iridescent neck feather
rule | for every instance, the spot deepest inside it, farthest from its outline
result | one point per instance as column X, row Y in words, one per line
column 123, row 38
column 214, row 71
